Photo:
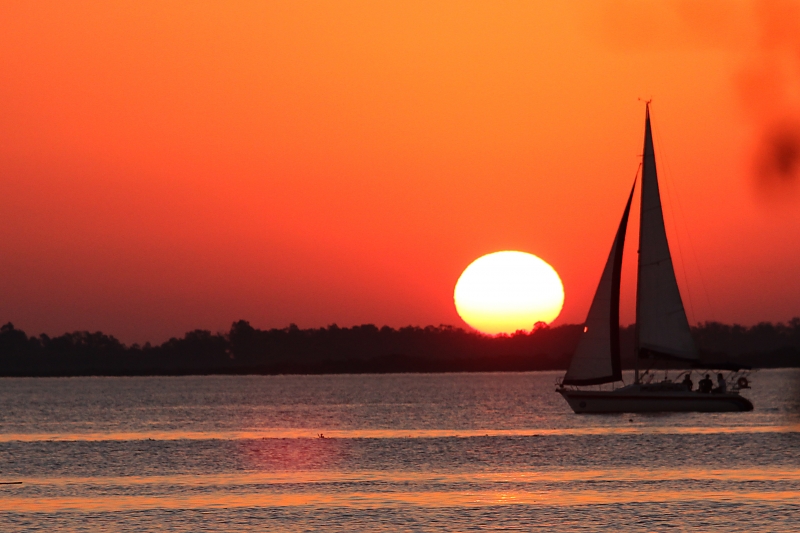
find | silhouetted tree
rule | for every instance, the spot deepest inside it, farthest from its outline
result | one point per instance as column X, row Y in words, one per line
column 363, row 348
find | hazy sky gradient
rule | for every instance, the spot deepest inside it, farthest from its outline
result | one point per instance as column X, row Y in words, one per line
column 171, row 166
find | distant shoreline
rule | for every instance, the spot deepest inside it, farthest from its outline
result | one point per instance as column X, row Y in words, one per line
column 365, row 349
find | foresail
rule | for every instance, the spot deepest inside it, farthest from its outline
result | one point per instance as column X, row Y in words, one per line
column 597, row 359
column 663, row 330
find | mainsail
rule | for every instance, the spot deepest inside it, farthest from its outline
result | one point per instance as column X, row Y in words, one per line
column 596, row 359
column 663, row 330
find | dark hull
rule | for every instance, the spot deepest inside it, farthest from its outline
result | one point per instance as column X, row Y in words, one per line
column 638, row 401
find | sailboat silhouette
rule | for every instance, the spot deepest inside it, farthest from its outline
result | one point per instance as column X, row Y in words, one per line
column 662, row 329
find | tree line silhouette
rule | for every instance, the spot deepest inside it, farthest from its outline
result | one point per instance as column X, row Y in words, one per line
column 362, row 349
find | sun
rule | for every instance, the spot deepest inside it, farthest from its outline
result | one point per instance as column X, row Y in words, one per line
column 504, row 292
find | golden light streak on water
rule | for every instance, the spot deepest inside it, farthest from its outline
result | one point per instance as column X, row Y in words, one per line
column 385, row 433
column 367, row 500
column 312, row 477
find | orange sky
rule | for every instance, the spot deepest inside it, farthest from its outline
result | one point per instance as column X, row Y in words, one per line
column 171, row 166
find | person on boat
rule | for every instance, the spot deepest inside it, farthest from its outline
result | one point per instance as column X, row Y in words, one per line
column 687, row 381
column 705, row 384
column 721, row 386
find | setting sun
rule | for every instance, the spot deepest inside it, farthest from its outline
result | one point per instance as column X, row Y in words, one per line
column 508, row 291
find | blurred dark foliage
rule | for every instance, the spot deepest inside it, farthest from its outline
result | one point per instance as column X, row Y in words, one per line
column 361, row 349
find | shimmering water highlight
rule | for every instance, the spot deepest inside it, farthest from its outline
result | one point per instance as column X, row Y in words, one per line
column 385, row 453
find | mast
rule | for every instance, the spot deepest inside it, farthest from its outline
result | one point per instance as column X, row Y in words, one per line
column 639, row 250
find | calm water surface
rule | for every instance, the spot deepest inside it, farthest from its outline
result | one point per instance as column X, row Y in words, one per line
column 446, row 452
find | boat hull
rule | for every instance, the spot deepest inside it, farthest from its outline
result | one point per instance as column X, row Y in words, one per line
column 637, row 401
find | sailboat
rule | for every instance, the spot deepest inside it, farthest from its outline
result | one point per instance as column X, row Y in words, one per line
column 662, row 329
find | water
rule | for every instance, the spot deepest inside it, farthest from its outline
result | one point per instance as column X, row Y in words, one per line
column 452, row 452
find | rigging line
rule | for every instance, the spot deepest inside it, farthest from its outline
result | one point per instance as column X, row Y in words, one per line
column 692, row 247
column 675, row 223
column 699, row 271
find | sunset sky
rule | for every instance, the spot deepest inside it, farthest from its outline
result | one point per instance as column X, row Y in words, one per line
column 168, row 166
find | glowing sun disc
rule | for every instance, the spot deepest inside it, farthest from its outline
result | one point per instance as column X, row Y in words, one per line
column 508, row 291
